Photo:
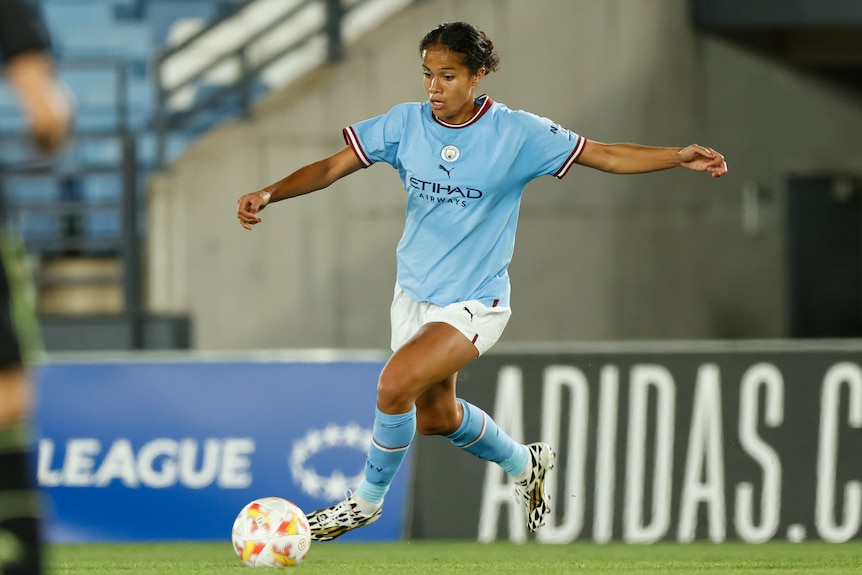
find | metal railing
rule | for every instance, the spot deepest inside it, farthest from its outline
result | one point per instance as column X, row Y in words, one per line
column 72, row 240
column 244, row 55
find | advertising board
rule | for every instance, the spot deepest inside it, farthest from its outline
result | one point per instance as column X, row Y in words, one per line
column 150, row 450
column 749, row 443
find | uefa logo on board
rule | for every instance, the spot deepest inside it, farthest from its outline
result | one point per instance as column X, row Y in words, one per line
column 327, row 447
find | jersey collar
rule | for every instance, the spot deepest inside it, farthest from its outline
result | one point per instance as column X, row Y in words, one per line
column 486, row 102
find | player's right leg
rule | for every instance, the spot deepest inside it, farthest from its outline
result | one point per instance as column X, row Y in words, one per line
column 433, row 355
column 391, row 437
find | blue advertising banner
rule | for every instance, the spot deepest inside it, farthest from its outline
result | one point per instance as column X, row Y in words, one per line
column 146, row 451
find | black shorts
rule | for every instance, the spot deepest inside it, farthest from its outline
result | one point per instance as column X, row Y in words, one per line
column 10, row 349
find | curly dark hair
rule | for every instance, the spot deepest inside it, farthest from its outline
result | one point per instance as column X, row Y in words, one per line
column 465, row 39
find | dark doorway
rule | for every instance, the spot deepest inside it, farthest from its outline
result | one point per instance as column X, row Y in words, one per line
column 824, row 249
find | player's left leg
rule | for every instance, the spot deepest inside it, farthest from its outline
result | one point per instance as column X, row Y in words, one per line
column 471, row 428
column 441, row 412
column 479, row 435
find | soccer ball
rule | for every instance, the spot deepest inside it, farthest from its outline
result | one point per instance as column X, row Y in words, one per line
column 271, row 532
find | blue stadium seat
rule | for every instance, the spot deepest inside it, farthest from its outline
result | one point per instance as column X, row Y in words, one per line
column 102, row 187
column 7, row 96
column 101, row 152
column 63, row 17
column 175, row 144
column 30, row 189
column 95, row 92
column 24, row 195
column 141, row 103
column 130, row 42
column 105, row 220
column 163, row 14
column 10, row 114
column 128, row 9
column 15, row 151
column 146, row 150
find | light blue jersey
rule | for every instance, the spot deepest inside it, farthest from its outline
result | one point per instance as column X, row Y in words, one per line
column 464, row 184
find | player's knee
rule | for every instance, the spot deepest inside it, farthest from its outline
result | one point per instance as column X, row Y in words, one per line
column 394, row 392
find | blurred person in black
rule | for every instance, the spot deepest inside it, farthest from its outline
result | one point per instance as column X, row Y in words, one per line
column 27, row 64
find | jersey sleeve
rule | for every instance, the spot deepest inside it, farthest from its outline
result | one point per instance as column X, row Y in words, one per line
column 377, row 139
column 21, row 29
column 550, row 149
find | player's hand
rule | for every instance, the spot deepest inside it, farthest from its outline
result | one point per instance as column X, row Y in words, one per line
column 249, row 205
column 46, row 101
column 51, row 128
column 703, row 159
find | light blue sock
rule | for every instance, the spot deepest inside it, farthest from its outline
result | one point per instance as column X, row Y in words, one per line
column 392, row 436
column 480, row 436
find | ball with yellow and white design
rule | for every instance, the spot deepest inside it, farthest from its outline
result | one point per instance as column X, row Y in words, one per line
column 271, row 532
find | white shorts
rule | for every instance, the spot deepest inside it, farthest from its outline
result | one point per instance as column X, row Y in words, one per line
column 480, row 324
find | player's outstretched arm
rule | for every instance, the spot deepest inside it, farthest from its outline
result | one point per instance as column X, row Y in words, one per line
column 637, row 159
column 307, row 179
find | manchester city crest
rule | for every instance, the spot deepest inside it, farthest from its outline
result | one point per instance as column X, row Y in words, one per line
column 450, row 153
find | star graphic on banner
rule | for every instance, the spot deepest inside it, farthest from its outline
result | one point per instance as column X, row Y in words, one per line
column 318, row 440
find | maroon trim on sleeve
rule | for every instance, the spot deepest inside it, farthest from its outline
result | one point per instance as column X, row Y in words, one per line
column 573, row 157
column 352, row 141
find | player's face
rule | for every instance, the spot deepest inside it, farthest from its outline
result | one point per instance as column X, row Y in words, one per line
column 450, row 87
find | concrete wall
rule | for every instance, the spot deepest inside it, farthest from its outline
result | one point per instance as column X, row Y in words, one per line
column 598, row 256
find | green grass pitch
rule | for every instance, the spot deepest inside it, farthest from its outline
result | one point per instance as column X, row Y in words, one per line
column 436, row 557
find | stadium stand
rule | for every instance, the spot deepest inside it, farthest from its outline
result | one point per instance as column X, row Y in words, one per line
column 75, row 205
column 147, row 78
